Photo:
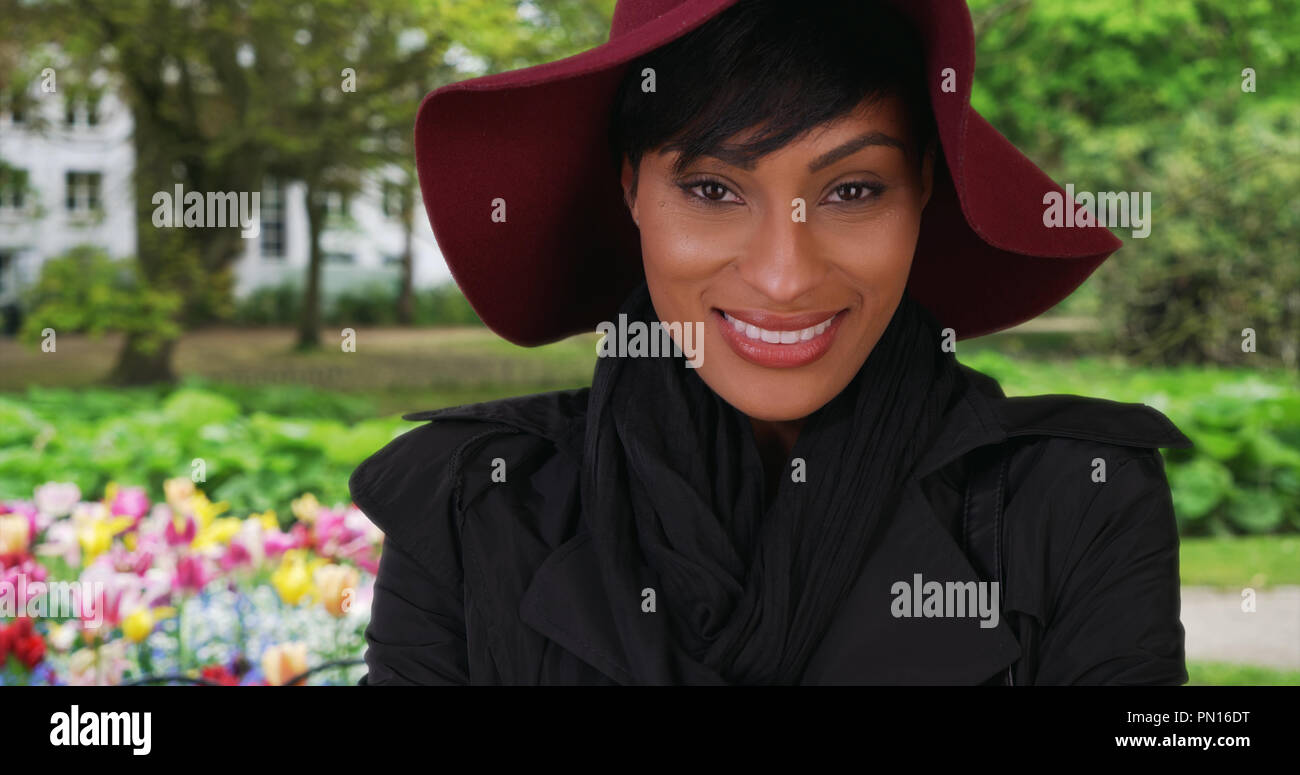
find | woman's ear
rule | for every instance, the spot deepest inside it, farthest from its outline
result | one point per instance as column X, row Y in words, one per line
column 628, row 179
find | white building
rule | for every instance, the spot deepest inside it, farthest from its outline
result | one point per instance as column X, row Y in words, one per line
column 74, row 163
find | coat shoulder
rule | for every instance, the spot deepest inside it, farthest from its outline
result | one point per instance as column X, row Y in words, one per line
column 414, row 487
column 1082, row 418
column 1064, row 451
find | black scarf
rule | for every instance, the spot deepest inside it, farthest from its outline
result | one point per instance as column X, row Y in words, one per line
column 673, row 497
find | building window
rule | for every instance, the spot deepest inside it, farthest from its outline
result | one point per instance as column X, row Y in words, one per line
column 81, row 112
column 272, row 220
column 13, row 183
column 392, row 259
column 392, row 199
column 339, row 258
column 83, row 192
column 336, row 205
column 12, row 104
column 6, row 261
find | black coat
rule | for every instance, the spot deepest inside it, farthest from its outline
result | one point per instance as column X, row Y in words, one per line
column 490, row 582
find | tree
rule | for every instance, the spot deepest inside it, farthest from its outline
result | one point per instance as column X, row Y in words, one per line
column 224, row 93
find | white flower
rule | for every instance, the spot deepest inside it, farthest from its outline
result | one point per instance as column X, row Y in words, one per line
column 56, row 499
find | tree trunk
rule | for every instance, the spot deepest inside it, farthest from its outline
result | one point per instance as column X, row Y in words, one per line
column 406, row 298
column 310, row 320
column 135, row 367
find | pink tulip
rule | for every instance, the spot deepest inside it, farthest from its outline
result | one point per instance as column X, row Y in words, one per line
column 130, row 502
column 181, row 536
column 24, row 566
column 236, row 555
column 277, row 542
column 192, row 574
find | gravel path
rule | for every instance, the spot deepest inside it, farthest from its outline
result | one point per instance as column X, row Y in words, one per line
column 1219, row 631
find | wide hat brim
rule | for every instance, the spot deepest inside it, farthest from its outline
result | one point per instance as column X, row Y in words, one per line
column 568, row 252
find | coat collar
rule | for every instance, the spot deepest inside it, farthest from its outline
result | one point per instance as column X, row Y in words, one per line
column 866, row 643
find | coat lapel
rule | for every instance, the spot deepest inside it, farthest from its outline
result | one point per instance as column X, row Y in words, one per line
column 868, row 644
column 566, row 602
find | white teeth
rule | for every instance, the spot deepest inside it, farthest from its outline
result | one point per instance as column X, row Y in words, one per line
column 779, row 337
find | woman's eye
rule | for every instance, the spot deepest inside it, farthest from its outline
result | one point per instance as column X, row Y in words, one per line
column 711, row 191
column 852, row 192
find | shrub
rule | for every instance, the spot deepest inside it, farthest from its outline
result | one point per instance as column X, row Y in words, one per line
column 85, row 290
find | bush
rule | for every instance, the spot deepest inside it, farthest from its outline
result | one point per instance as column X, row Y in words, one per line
column 1242, row 476
column 254, row 459
column 375, row 304
column 86, row 290
column 270, row 306
column 444, row 305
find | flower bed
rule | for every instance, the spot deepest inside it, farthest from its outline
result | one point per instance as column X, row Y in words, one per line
column 123, row 589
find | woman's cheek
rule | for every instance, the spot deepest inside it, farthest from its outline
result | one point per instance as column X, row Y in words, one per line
column 877, row 254
column 685, row 246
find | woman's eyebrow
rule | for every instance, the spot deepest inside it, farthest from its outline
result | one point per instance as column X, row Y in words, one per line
column 853, row 146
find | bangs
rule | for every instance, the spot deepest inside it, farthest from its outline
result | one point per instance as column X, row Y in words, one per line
column 773, row 69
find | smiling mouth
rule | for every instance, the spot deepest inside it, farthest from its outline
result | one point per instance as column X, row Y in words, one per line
column 779, row 341
column 779, row 334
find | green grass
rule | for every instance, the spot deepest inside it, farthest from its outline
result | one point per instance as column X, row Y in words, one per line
column 1224, row 674
column 1242, row 561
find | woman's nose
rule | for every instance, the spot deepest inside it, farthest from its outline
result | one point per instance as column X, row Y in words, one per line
column 781, row 260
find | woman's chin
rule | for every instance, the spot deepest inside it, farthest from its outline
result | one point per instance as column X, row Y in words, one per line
column 774, row 403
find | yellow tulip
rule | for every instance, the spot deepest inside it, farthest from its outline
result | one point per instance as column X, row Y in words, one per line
column 178, row 491
column 15, row 534
column 218, row 533
column 305, row 508
column 266, row 519
column 338, row 587
column 138, row 624
column 96, row 535
column 205, row 510
column 293, row 578
column 283, row 661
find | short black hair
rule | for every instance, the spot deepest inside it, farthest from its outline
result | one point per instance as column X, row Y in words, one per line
column 784, row 66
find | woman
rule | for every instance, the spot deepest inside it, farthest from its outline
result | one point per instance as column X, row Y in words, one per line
column 806, row 488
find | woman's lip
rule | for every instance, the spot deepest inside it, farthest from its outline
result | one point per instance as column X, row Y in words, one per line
column 774, row 322
column 776, row 355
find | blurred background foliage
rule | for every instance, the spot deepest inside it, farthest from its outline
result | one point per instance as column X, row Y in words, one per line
column 1125, row 95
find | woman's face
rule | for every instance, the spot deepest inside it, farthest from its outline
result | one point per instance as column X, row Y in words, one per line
column 794, row 265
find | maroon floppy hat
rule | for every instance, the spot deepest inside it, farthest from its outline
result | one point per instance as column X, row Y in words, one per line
column 568, row 251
